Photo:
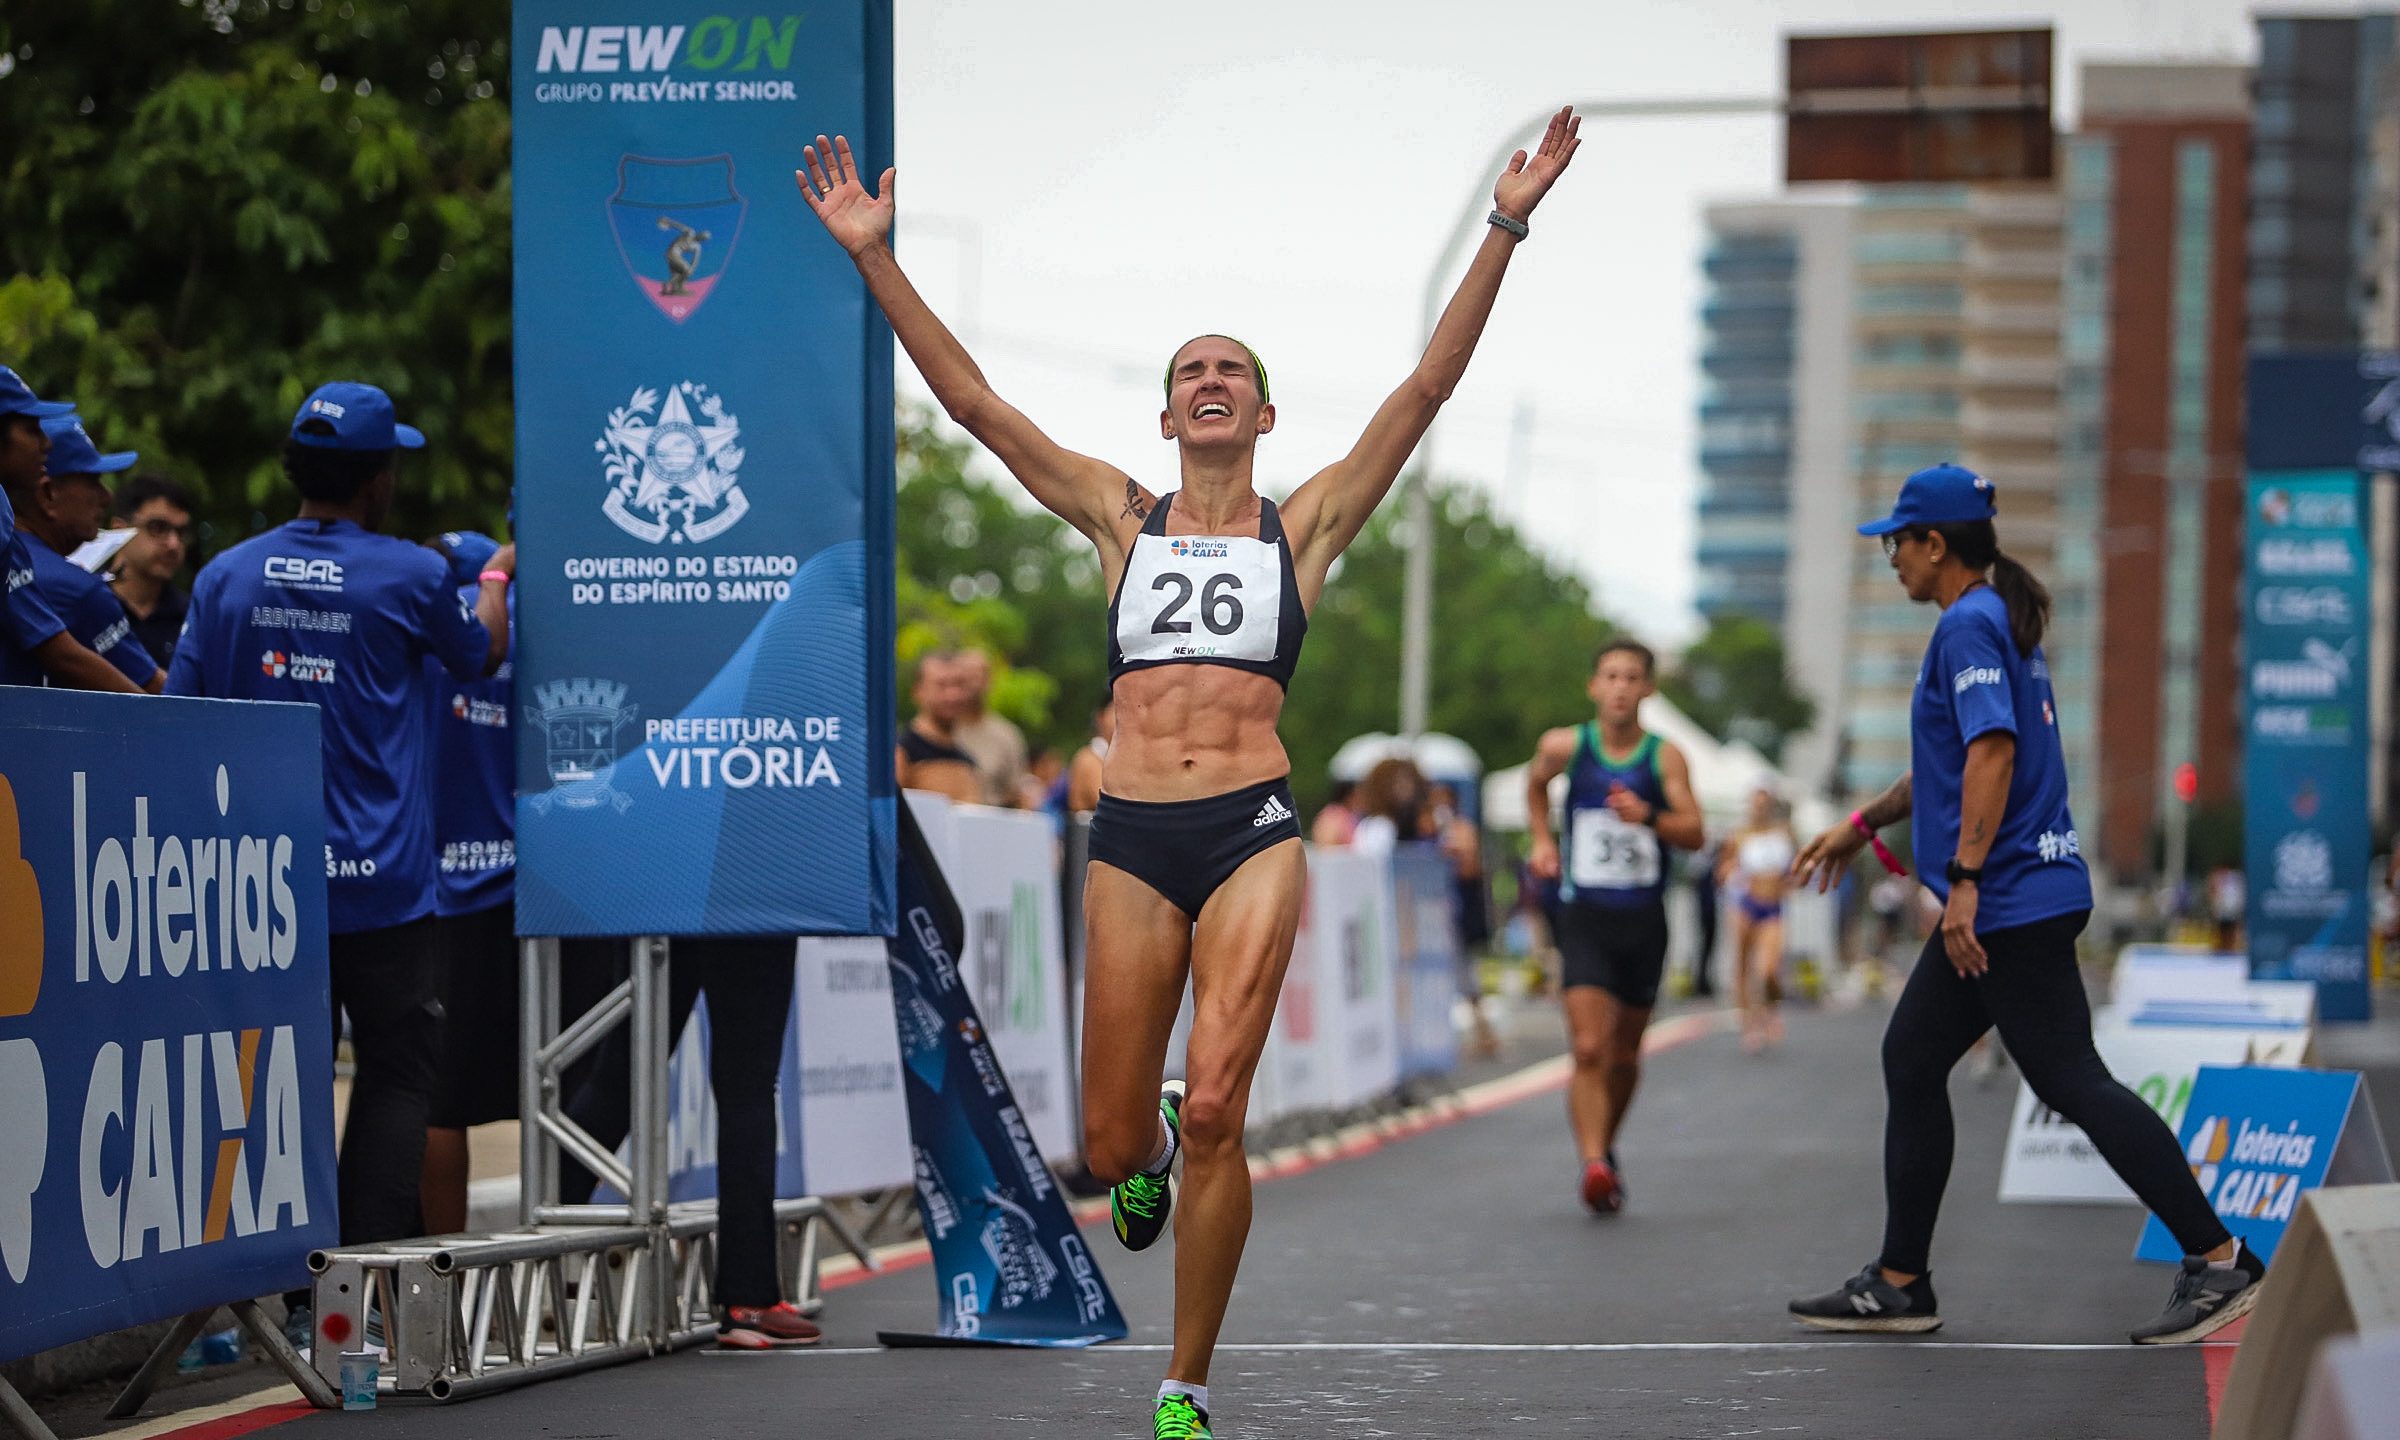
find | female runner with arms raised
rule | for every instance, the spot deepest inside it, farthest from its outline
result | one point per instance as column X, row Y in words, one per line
column 1196, row 857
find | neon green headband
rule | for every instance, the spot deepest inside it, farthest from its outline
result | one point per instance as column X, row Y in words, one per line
column 1257, row 366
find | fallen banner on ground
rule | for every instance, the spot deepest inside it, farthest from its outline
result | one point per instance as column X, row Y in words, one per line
column 1012, row 1267
column 166, row 1051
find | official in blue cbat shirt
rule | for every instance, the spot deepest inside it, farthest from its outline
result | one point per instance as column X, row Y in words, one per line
column 1987, row 790
column 324, row 610
column 59, row 514
column 35, row 646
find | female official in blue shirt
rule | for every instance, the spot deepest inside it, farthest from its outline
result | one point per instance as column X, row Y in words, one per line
column 1987, row 795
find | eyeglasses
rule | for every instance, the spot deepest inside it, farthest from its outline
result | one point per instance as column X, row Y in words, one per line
column 158, row 529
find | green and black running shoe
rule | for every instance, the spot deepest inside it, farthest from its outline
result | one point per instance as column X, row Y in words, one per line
column 1139, row 1204
column 1177, row 1418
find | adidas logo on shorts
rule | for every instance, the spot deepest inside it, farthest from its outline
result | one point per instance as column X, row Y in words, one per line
column 1271, row 813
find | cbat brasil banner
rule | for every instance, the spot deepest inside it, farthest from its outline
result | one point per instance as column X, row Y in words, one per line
column 704, row 475
column 1012, row 1267
column 166, row 1046
column 2305, row 824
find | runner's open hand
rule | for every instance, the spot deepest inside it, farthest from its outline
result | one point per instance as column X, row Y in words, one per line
column 1526, row 181
column 829, row 183
column 1958, row 932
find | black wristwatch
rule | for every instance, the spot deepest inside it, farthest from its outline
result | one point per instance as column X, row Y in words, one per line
column 1957, row 873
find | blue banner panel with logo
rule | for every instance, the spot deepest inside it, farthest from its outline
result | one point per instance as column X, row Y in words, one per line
column 1425, row 897
column 704, row 476
column 1012, row 1267
column 2257, row 1137
column 166, row 1042
column 2306, row 831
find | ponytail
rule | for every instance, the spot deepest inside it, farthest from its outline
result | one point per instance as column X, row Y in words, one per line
column 2028, row 602
column 1977, row 546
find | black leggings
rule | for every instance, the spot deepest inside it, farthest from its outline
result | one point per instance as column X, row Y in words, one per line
column 2034, row 993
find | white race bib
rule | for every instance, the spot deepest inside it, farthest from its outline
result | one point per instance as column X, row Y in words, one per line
column 1609, row 853
column 1200, row 597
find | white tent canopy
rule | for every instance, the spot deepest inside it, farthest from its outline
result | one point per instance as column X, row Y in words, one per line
column 1440, row 757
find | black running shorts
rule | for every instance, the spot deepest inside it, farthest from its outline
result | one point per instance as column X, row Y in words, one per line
column 1185, row 849
column 1622, row 951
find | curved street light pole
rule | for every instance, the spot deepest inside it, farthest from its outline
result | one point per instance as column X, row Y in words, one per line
column 1416, row 618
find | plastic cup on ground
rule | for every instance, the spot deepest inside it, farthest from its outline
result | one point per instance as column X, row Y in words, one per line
column 360, row 1370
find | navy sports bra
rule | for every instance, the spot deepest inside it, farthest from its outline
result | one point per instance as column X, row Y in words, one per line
column 1208, row 600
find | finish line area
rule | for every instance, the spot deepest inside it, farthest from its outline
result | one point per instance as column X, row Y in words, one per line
column 1449, row 1283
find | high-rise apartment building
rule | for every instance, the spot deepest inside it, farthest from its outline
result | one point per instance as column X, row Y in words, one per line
column 2312, row 203
column 2157, row 186
column 1955, row 352
column 1775, row 361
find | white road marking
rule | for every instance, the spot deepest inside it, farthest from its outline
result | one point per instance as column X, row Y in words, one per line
column 1624, row 1347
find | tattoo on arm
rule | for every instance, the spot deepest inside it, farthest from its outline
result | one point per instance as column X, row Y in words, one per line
column 1891, row 807
column 1134, row 506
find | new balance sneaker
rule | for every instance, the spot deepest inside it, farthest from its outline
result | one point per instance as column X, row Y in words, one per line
column 1868, row 1302
column 768, row 1327
column 1140, row 1203
column 1177, row 1418
column 1603, row 1189
column 2205, row 1300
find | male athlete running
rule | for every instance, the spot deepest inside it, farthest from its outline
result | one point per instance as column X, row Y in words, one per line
column 1196, row 861
column 1629, row 796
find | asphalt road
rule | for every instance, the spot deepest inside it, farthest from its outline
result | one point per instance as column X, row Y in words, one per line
column 1450, row 1285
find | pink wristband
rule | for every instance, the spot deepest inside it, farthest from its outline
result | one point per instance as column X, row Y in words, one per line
column 488, row 576
column 1883, row 852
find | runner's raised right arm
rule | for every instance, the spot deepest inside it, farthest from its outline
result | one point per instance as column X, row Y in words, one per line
column 1089, row 494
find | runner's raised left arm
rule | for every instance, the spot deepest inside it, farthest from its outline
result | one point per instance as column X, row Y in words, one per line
column 1327, row 513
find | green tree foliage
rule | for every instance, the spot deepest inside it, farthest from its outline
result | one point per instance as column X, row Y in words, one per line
column 979, row 568
column 227, row 202
column 1514, row 635
column 1734, row 684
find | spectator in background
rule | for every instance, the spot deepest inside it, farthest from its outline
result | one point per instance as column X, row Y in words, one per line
column 2228, row 899
column 323, row 610
column 1392, row 806
column 34, row 644
column 60, row 511
column 995, row 745
column 474, row 900
column 159, row 513
column 1709, row 902
column 1471, row 908
column 930, row 757
column 1083, row 772
column 1337, row 822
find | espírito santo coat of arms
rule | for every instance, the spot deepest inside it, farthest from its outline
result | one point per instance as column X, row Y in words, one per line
column 671, row 475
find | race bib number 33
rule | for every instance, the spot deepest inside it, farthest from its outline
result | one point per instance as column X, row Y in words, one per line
column 1610, row 854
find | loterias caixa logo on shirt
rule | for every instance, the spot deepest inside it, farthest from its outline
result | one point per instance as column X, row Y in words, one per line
column 166, row 1143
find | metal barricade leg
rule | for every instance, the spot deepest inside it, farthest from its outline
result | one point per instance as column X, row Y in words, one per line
column 162, row 1359
column 20, row 1416
column 269, row 1337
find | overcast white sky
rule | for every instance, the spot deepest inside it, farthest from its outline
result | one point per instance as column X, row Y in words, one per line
column 1085, row 185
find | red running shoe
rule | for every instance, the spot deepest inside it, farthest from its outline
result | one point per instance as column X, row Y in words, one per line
column 1601, row 1192
column 749, row 1327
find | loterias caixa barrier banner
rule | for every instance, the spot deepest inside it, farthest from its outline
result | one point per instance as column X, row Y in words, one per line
column 166, row 1046
column 2306, row 834
column 704, row 476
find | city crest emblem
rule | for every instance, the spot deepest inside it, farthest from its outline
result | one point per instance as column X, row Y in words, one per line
column 580, row 721
column 676, row 222
column 673, row 475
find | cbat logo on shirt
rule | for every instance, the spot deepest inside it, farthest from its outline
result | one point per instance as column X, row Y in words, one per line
column 304, row 573
column 1975, row 675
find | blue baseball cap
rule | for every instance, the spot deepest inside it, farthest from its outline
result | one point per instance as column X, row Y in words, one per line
column 17, row 398
column 361, row 417
column 73, row 453
column 468, row 552
column 1937, row 495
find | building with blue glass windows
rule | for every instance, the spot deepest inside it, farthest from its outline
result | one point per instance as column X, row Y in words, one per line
column 1774, row 505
